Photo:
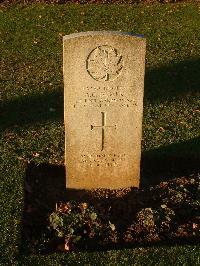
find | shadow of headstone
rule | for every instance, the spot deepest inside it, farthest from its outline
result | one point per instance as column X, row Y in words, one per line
column 44, row 186
column 167, row 162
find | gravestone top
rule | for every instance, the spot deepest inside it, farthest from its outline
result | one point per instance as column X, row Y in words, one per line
column 104, row 33
column 103, row 105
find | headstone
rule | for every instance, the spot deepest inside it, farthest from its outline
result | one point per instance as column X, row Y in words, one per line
column 103, row 105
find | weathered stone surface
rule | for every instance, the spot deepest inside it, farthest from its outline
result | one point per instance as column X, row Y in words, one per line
column 103, row 105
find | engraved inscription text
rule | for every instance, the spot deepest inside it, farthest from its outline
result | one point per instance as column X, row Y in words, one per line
column 105, row 96
column 102, row 159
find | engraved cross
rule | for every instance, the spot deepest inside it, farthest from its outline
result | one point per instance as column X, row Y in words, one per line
column 103, row 127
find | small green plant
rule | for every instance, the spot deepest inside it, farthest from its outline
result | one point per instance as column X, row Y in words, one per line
column 74, row 221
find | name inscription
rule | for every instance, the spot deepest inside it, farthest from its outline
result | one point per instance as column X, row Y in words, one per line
column 105, row 96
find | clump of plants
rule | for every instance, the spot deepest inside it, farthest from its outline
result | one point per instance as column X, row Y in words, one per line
column 170, row 213
column 150, row 225
column 75, row 223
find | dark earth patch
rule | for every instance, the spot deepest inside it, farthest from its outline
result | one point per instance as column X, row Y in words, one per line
column 165, row 213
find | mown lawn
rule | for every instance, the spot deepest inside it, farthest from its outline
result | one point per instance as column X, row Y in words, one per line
column 31, row 108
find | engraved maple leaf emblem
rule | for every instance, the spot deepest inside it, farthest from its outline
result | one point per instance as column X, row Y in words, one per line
column 104, row 63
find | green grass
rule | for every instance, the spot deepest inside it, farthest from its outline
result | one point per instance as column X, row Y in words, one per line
column 32, row 84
